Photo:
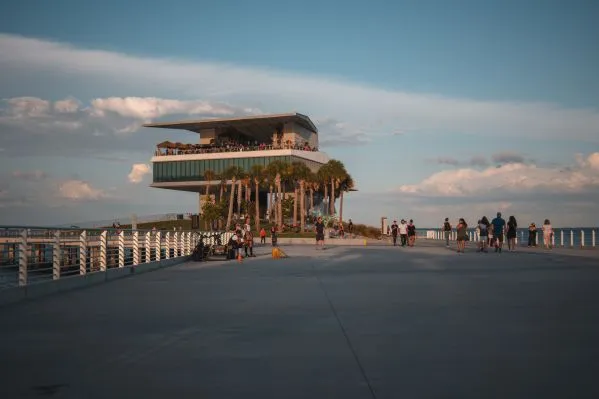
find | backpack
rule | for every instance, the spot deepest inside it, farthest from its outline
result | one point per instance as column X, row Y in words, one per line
column 447, row 226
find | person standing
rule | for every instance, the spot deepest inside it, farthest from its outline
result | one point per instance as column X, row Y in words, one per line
column 249, row 243
column 403, row 232
column 262, row 236
column 319, row 229
column 462, row 233
column 512, row 229
column 498, row 231
column 350, row 228
column 548, row 234
column 394, row 232
column 447, row 231
column 273, row 235
column 532, row 235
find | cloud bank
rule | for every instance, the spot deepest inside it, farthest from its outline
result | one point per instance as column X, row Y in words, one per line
column 368, row 110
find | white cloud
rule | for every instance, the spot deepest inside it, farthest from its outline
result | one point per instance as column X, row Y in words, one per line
column 68, row 105
column 359, row 105
column 21, row 107
column 150, row 108
column 138, row 171
column 512, row 178
column 79, row 190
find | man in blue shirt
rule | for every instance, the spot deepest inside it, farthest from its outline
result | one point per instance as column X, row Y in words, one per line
column 498, row 231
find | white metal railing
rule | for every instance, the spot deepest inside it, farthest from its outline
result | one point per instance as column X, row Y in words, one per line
column 564, row 238
column 29, row 255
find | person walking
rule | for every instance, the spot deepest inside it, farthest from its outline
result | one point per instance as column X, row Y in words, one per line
column 447, row 231
column 403, row 232
column 394, row 232
column 411, row 233
column 498, row 231
column 483, row 234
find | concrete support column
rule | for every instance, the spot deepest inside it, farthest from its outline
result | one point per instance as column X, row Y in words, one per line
column 82, row 253
column 103, row 251
column 56, row 255
column 136, row 247
column 121, row 248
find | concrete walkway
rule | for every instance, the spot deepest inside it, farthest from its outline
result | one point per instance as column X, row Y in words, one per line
column 346, row 322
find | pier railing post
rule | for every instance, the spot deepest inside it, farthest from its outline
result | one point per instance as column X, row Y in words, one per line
column 148, row 247
column 56, row 255
column 593, row 238
column 562, row 238
column 121, row 248
column 23, row 258
column 103, row 243
column 83, row 253
column 136, row 247
column 176, row 244
column 571, row 238
column 581, row 238
column 187, row 242
column 158, row 246
column 167, row 242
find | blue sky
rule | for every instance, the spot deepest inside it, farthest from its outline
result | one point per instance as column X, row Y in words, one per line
column 406, row 93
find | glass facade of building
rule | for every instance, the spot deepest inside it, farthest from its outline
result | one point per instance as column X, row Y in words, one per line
column 176, row 171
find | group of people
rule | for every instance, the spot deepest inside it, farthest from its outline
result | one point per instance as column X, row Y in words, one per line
column 406, row 232
column 492, row 234
column 243, row 238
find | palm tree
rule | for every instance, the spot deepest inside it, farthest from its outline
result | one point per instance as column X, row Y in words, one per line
column 346, row 184
column 277, row 168
column 312, row 182
column 323, row 176
column 257, row 174
column 241, row 175
column 302, row 173
column 231, row 173
column 337, row 172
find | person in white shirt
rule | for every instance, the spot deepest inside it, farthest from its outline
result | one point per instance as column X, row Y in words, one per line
column 547, row 234
column 403, row 233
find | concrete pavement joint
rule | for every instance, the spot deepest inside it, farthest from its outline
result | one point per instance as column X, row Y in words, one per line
column 349, row 344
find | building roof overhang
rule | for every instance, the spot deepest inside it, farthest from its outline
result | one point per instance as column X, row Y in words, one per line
column 252, row 126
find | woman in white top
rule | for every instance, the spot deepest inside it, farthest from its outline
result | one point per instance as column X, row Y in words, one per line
column 547, row 233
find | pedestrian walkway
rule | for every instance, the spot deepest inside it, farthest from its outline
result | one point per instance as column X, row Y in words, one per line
column 344, row 322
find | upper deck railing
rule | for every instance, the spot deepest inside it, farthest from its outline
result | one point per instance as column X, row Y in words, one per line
column 188, row 149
